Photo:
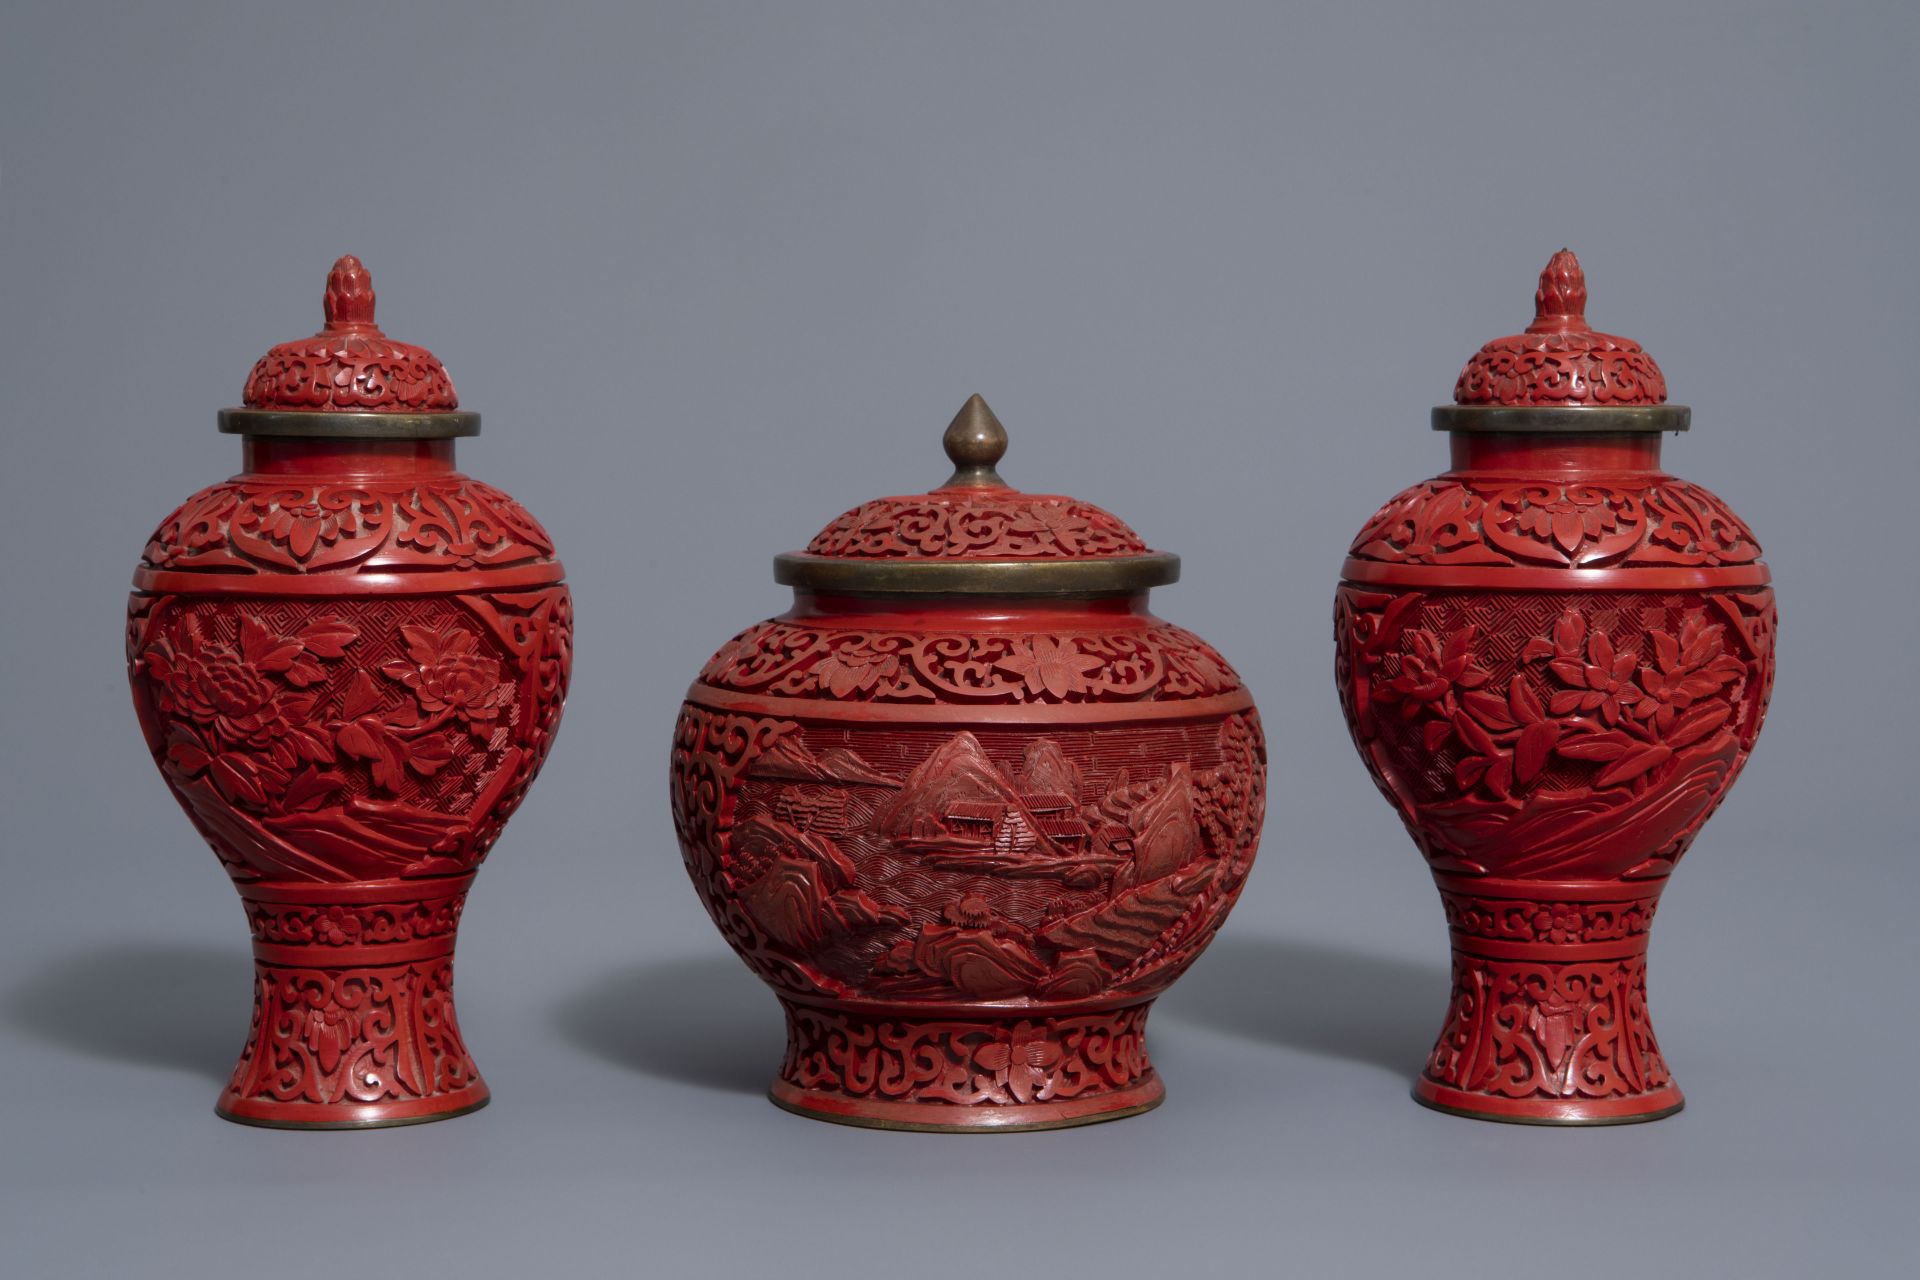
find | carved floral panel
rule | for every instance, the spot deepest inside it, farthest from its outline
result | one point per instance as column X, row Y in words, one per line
column 1583, row 735
column 350, row 739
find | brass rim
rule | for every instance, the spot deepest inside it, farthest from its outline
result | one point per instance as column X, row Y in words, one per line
column 1117, row 575
column 349, row 426
column 1496, row 419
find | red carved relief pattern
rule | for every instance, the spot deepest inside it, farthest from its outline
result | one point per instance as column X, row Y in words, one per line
column 1579, row 367
column 977, row 524
column 1624, row 523
column 944, row 874
column 350, row 366
column 354, row 924
column 258, row 525
column 353, row 1035
column 1558, row 923
column 796, row 659
column 1535, row 1029
column 350, row 739
column 1005, row 1062
column 1560, row 360
column 1577, row 735
column 350, row 372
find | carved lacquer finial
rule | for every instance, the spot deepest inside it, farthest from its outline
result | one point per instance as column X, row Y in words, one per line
column 349, row 294
column 1560, row 303
column 975, row 441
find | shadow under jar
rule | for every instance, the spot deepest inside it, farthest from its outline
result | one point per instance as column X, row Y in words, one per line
column 1554, row 659
column 968, row 807
column 349, row 661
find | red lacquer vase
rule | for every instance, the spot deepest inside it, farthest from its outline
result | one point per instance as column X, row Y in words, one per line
column 349, row 661
column 968, row 807
column 1554, row 659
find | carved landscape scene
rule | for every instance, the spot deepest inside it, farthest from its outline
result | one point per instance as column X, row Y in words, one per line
column 991, row 865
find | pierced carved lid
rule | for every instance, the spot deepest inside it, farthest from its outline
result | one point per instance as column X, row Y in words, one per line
column 350, row 379
column 976, row 534
column 1561, row 374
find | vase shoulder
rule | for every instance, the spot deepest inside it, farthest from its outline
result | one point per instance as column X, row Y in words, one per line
column 255, row 528
column 1553, row 519
column 960, row 660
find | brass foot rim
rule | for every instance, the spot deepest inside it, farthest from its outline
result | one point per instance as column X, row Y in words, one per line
column 1549, row 1122
column 910, row 1126
column 385, row 1122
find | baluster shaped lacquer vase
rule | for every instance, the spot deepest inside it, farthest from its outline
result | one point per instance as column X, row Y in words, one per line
column 1554, row 659
column 967, row 806
column 349, row 662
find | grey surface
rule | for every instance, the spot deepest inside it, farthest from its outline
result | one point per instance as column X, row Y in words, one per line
column 714, row 274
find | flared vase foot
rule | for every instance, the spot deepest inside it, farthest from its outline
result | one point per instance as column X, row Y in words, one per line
column 1548, row 1021
column 353, row 1016
column 895, row 1068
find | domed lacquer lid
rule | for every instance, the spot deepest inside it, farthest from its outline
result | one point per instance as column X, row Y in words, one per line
column 350, row 380
column 976, row 535
column 1561, row 374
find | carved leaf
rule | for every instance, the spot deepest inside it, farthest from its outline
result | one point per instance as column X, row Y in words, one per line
column 1524, row 703
column 430, row 754
column 368, row 739
column 1572, row 670
column 1633, row 764
column 1569, row 633
column 1666, row 651
column 304, row 671
column 1537, row 648
column 263, row 649
column 312, row 745
column 1478, row 740
column 1698, row 723
column 1535, row 745
column 1436, row 732
column 328, row 637
column 362, row 696
column 1489, row 710
column 310, row 789
column 1609, row 745
column 1566, row 702
column 187, row 757
column 234, row 775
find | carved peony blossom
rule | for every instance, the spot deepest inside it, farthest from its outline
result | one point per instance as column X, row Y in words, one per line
column 451, row 677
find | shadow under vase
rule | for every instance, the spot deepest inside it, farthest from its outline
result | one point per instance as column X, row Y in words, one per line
column 187, row 1017
column 1322, row 1000
column 698, row 1020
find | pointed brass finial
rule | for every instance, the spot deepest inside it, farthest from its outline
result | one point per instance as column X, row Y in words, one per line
column 1560, row 303
column 975, row 440
column 349, row 294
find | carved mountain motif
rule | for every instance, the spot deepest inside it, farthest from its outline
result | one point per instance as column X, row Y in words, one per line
column 1045, row 770
column 1165, row 833
column 956, row 777
column 789, row 761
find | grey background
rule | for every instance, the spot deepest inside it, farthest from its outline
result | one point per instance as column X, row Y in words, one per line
column 714, row 274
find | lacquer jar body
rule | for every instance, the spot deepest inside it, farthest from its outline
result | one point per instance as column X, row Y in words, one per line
column 1554, row 659
column 968, row 840
column 349, row 662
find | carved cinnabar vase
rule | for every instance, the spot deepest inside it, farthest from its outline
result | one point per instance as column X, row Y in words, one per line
column 968, row 807
column 349, row 661
column 1554, row 659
